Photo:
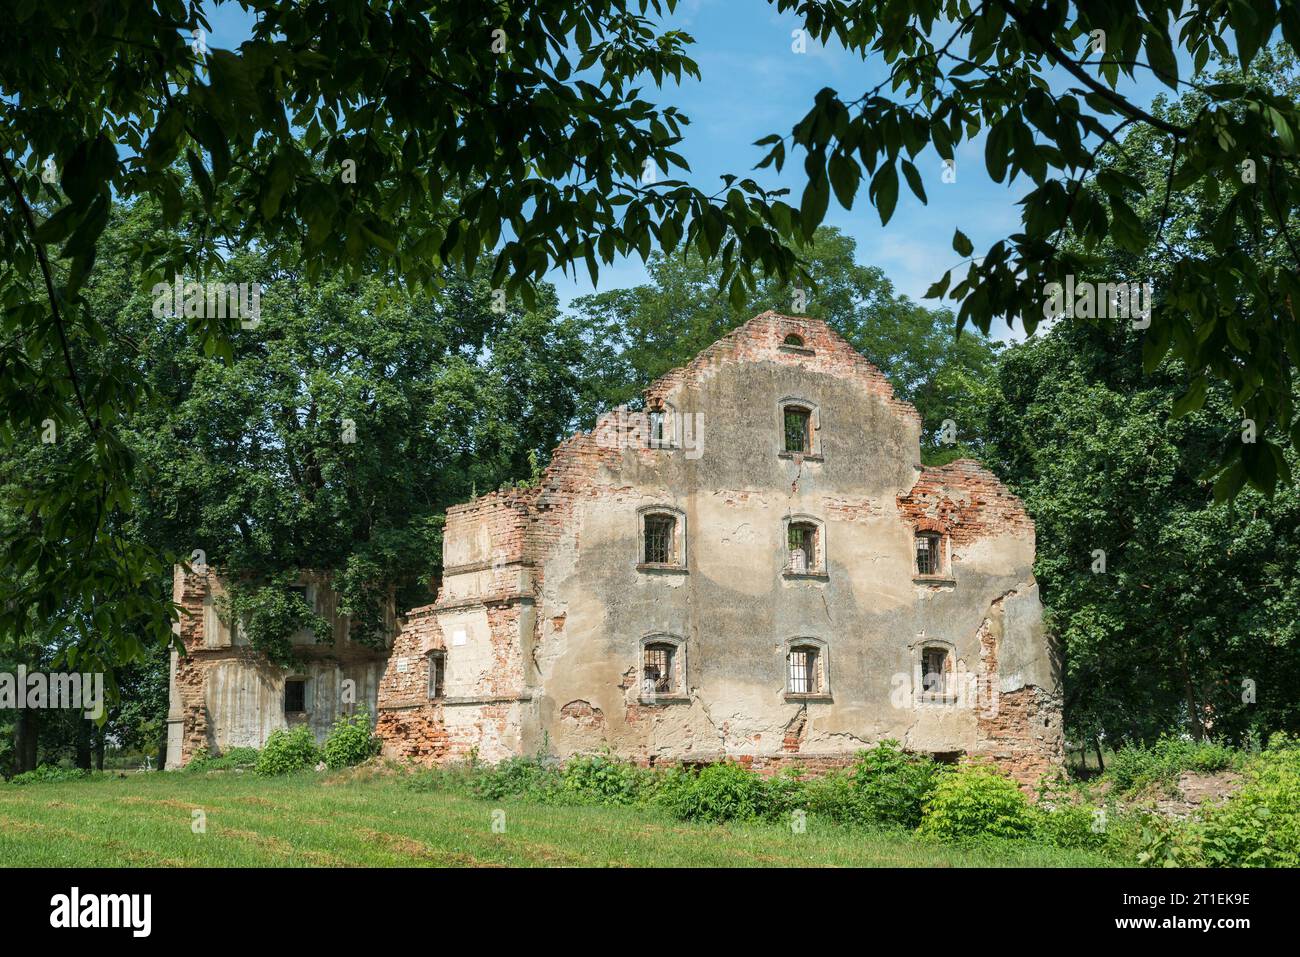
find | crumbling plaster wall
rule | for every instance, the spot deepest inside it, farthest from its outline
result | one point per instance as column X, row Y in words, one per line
column 544, row 594
column 225, row 694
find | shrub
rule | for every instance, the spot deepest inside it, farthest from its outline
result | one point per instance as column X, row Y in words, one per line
column 719, row 792
column 516, row 777
column 1072, row 826
column 601, row 779
column 288, row 749
column 1259, row 826
column 49, row 774
column 350, row 742
column 458, row 777
column 892, row 786
column 236, row 759
column 836, row 797
column 976, row 802
column 1135, row 768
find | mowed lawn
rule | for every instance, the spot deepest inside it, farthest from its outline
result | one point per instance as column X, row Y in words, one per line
column 315, row 820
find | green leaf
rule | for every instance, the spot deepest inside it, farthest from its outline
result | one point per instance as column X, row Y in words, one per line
column 914, row 180
column 1192, row 400
column 844, row 174
column 884, row 190
column 961, row 244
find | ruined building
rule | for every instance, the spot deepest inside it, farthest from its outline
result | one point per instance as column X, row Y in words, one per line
column 225, row 694
column 757, row 567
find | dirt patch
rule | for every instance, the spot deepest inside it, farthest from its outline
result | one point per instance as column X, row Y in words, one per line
column 1200, row 788
column 275, row 844
column 418, row 849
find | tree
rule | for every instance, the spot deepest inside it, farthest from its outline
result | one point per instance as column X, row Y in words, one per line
column 343, row 426
column 643, row 332
column 1174, row 610
column 1039, row 80
column 373, row 138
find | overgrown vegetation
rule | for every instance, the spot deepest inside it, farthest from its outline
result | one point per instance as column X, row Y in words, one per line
column 1135, row 768
column 288, row 749
column 971, row 803
column 49, row 773
column 235, row 759
column 350, row 741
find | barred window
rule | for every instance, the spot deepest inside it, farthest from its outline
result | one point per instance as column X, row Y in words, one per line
column 437, row 673
column 934, row 670
column 657, row 670
column 798, row 429
column 803, row 671
column 659, row 534
column 928, row 554
column 802, row 542
column 295, row 696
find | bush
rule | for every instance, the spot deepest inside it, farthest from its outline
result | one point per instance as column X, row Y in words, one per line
column 236, row 759
column 1259, row 826
column 719, row 792
column 49, row 774
column 1135, row 768
column 976, row 802
column 287, row 750
column 350, row 742
column 834, row 796
column 1072, row 826
column 892, row 786
column 601, row 779
column 516, row 777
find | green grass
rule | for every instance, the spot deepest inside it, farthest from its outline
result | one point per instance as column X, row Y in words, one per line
column 312, row 820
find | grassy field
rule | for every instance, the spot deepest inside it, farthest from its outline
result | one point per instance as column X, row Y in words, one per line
column 311, row 820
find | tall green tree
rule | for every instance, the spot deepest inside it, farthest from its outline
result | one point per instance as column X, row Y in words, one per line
column 1176, row 608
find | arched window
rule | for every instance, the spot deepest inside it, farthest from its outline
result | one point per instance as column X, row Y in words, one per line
column 929, row 554
column 936, row 670
column 795, row 343
column 805, row 546
column 663, row 668
column 798, row 429
column 806, row 668
column 662, row 538
column 799, row 424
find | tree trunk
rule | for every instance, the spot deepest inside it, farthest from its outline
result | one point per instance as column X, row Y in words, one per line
column 26, row 733
column 1101, row 765
column 99, row 749
column 83, row 744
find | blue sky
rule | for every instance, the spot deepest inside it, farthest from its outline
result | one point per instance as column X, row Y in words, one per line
column 754, row 84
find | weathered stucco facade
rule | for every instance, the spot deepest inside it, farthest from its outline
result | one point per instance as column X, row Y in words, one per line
column 737, row 575
column 225, row 694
